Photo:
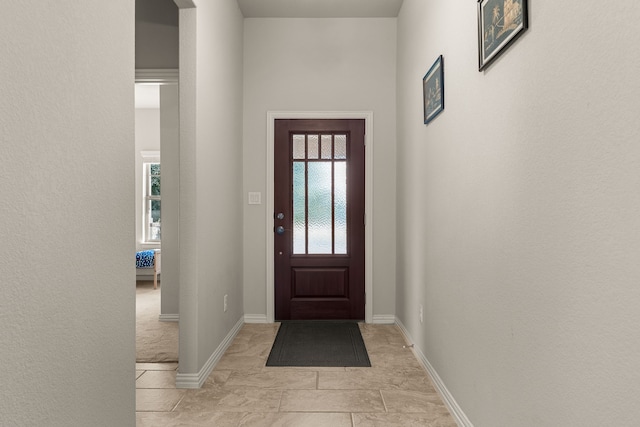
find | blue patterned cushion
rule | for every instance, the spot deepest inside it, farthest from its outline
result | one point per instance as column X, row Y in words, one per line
column 144, row 259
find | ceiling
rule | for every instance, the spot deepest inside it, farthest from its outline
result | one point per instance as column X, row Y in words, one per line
column 320, row 8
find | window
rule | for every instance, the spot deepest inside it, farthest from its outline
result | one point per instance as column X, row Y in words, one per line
column 151, row 191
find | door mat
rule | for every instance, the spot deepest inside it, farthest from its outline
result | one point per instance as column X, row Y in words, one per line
column 318, row 343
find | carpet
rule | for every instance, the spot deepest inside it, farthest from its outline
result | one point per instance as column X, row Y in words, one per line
column 318, row 343
column 156, row 341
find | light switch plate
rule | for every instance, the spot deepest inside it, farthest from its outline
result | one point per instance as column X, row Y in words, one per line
column 255, row 198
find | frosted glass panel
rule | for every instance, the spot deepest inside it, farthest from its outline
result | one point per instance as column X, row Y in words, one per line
column 319, row 194
column 340, row 148
column 340, row 207
column 298, row 147
column 313, row 146
column 326, row 146
column 320, row 208
column 299, row 209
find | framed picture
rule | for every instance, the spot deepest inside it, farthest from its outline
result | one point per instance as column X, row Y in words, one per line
column 500, row 22
column 433, row 90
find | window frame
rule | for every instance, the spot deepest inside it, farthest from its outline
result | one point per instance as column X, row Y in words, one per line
column 149, row 158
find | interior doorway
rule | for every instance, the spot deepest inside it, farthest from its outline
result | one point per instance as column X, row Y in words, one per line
column 157, row 136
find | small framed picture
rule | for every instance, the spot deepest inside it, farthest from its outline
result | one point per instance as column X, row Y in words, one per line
column 500, row 22
column 433, row 90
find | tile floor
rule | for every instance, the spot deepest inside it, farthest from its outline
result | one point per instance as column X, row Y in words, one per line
column 242, row 391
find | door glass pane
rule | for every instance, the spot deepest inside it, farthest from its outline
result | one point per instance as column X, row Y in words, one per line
column 298, row 147
column 299, row 208
column 326, row 146
column 312, row 146
column 320, row 208
column 340, row 148
column 319, row 194
column 340, row 207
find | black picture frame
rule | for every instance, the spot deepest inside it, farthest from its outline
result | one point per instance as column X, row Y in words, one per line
column 500, row 23
column 433, row 90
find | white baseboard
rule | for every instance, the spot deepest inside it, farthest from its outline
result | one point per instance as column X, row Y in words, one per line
column 455, row 409
column 383, row 319
column 169, row 317
column 196, row 380
column 255, row 318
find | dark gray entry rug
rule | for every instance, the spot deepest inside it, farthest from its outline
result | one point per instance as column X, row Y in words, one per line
column 318, row 343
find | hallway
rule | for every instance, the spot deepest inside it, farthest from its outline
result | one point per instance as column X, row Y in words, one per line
column 241, row 391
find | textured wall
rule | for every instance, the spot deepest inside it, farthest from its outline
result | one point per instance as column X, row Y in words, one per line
column 320, row 65
column 66, row 215
column 518, row 211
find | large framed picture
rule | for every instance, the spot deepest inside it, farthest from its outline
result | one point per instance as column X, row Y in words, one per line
column 433, row 90
column 500, row 22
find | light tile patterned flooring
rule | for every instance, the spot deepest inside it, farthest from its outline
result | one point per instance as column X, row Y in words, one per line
column 242, row 391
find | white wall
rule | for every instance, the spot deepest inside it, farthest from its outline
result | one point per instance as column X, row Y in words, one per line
column 210, row 178
column 66, row 230
column 518, row 225
column 170, row 149
column 319, row 65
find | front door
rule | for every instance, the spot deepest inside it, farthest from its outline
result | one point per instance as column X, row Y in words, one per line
column 319, row 219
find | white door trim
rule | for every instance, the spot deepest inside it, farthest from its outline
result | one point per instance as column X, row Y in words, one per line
column 368, row 139
column 157, row 76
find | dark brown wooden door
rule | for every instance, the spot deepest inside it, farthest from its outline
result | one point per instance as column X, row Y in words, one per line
column 319, row 219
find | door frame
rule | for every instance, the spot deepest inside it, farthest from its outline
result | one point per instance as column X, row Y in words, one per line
column 169, row 291
column 272, row 116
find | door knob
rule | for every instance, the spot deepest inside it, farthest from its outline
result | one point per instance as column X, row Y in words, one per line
column 279, row 229
column 280, row 215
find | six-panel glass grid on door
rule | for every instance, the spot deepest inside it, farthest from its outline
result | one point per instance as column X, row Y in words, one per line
column 319, row 193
